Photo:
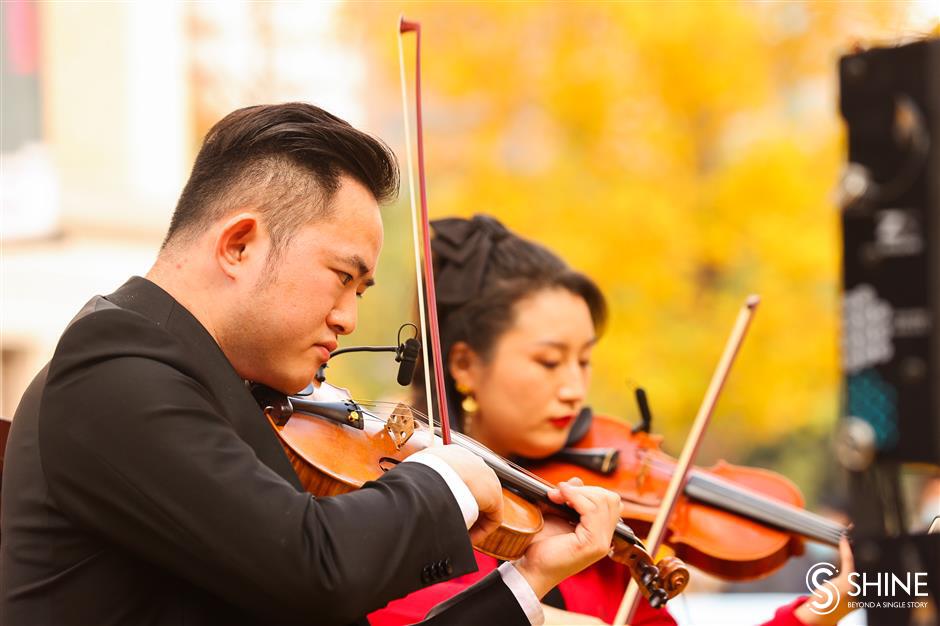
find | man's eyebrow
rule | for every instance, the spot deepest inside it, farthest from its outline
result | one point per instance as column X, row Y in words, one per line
column 362, row 269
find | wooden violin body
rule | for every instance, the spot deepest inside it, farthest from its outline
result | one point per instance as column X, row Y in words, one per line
column 331, row 459
column 735, row 522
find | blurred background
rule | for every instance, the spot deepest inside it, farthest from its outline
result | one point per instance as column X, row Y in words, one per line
column 683, row 154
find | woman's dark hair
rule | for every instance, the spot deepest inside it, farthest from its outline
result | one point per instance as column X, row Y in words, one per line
column 286, row 161
column 482, row 270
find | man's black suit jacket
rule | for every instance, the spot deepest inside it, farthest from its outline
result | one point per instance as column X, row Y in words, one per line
column 143, row 486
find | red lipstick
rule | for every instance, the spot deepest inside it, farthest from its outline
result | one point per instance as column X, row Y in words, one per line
column 561, row 422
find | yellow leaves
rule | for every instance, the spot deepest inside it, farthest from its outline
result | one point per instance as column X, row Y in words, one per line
column 683, row 154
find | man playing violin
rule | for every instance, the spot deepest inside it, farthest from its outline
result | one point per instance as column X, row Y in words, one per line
column 142, row 483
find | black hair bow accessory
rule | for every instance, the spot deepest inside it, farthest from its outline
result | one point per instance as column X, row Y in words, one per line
column 463, row 249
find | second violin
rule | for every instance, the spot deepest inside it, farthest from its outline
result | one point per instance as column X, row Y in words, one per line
column 734, row 522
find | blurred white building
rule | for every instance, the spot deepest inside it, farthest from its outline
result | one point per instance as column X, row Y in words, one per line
column 104, row 105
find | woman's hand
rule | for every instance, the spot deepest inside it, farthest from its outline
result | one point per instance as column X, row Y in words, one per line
column 804, row 612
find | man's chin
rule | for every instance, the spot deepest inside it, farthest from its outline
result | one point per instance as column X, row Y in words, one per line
column 289, row 385
column 298, row 385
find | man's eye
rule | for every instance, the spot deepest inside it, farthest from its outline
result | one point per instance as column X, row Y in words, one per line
column 345, row 277
column 584, row 364
column 549, row 365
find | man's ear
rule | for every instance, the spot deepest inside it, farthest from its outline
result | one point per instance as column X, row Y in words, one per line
column 241, row 243
column 465, row 365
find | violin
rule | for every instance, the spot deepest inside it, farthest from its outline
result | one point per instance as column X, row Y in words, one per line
column 734, row 522
column 337, row 445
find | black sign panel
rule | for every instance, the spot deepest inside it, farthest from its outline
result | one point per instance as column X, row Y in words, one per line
column 890, row 99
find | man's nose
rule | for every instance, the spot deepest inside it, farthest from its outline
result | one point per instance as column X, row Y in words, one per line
column 342, row 318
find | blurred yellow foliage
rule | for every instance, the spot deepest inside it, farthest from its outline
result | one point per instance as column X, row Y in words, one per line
column 682, row 153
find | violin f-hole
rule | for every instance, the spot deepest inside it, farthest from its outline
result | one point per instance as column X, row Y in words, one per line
column 387, row 463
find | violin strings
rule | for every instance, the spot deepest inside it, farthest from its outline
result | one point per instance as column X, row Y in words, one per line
column 808, row 523
column 768, row 509
column 512, row 473
column 711, row 490
column 762, row 508
column 517, row 475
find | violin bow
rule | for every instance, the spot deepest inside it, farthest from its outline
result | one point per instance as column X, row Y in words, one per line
column 632, row 596
column 429, row 324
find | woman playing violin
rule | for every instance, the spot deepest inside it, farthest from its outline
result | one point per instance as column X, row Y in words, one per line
column 517, row 329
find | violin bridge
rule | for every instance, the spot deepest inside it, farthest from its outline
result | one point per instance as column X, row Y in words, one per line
column 643, row 473
column 400, row 425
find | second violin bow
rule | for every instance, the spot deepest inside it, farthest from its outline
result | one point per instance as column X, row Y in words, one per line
column 631, row 598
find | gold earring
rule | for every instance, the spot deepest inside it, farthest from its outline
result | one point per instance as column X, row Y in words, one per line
column 468, row 403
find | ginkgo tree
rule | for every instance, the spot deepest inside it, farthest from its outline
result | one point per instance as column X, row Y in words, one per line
column 683, row 154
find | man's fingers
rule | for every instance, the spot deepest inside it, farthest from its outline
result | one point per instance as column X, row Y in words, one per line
column 490, row 501
column 560, row 549
column 577, row 498
column 483, row 527
column 599, row 510
column 483, row 484
column 491, row 507
column 588, row 500
column 553, row 526
column 557, row 496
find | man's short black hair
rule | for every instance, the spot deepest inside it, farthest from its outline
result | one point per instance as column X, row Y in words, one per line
column 284, row 160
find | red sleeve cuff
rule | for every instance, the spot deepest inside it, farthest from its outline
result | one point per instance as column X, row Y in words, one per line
column 785, row 615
